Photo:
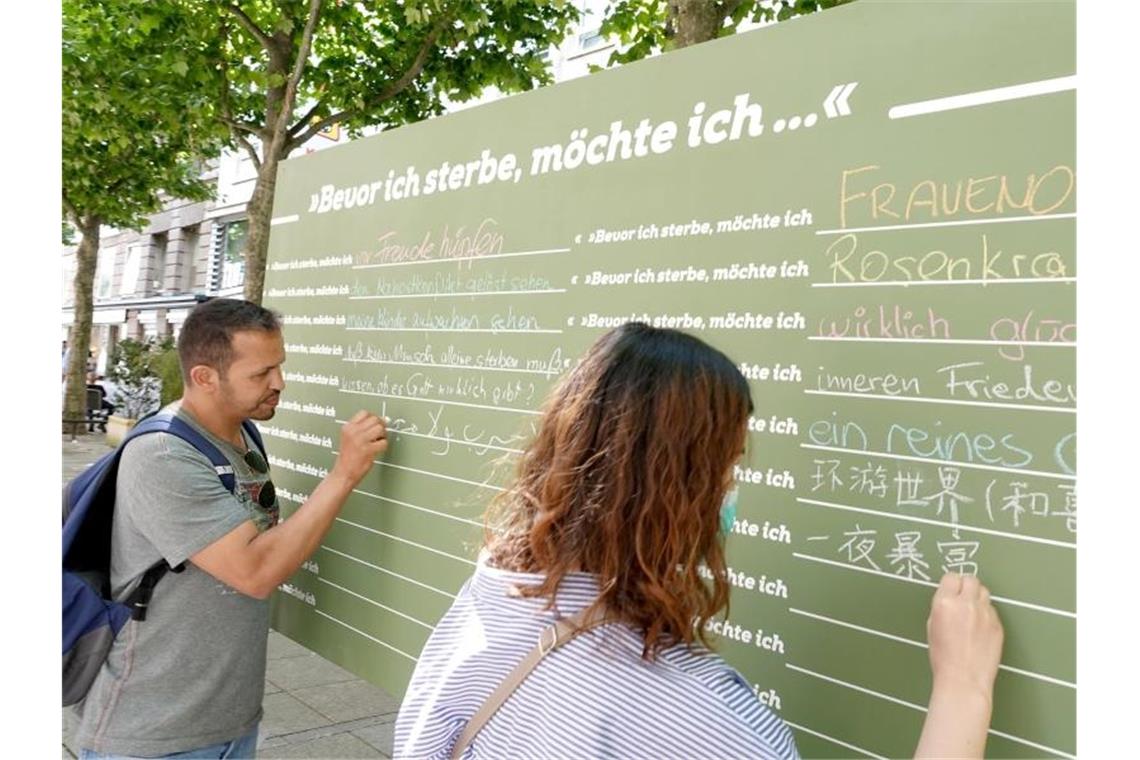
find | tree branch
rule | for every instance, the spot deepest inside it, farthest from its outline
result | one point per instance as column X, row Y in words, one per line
column 252, row 151
column 227, row 116
column 298, row 69
column 237, row 125
column 293, row 130
column 263, row 38
column 730, row 7
column 390, row 91
column 69, row 207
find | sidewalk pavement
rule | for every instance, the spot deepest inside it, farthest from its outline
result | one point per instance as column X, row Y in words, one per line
column 313, row 708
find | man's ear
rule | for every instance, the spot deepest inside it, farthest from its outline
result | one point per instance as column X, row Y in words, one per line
column 205, row 377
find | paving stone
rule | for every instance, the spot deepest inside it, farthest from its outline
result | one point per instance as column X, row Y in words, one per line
column 341, row 702
column 282, row 646
column 337, row 745
column 270, row 687
column 285, row 714
column 292, row 673
column 381, row 736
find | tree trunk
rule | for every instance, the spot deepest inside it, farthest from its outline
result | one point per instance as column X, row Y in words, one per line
column 697, row 21
column 87, row 255
column 259, row 212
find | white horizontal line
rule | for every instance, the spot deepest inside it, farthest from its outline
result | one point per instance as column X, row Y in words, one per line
column 959, row 223
column 1028, row 743
column 406, row 541
column 920, row 644
column 540, row 252
column 436, row 475
column 948, row 341
column 284, row 219
column 452, row 366
column 376, row 603
column 441, row 401
column 904, row 458
column 852, row 686
column 365, row 635
column 919, row 708
column 872, row 631
column 458, row 295
column 983, row 97
column 393, row 573
column 881, row 574
column 450, row 330
column 960, row 402
column 908, row 283
column 833, row 740
column 417, row 507
column 939, row 523
column 472, row 444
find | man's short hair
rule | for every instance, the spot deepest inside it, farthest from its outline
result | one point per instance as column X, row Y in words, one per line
column 207, row 334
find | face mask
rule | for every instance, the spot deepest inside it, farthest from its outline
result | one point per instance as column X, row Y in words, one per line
column 728, row 511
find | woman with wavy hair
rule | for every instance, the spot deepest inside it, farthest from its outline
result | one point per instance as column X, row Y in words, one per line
column 582, row 631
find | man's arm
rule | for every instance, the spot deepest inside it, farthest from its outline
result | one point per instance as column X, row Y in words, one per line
column 965, row 649
column 257, row 563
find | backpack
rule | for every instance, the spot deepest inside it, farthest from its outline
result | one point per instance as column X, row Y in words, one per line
column 91, row 617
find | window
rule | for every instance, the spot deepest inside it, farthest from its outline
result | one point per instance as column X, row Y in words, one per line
column 130, row 281
column 158, row 268
column 104, row 272
column 189, row 256
column 233, row 254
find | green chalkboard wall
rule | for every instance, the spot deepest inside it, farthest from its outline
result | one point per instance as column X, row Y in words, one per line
column 871, row 209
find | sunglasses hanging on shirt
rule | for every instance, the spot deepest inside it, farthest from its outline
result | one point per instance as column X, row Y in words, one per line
column 268, row 495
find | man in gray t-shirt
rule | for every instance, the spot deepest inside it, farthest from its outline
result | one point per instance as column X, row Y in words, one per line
column 191, row 676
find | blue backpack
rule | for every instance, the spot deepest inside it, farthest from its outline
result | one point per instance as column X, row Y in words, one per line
column 91, row 617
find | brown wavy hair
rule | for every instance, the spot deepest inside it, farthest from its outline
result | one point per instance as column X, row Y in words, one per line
column 625, row 479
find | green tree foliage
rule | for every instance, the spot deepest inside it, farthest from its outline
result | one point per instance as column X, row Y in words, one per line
column 647, row 26
column 136, row 118
column 134, row 369
column 169, row 371
column 291, row 68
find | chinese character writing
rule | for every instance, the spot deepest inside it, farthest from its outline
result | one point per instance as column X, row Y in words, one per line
column 1070, row 510
column 906, row 489
column 829, row 478
column 1019, row 501
column 957, row 557
column 948, row 497
column 859, row 546
column 907, row 557
column 870, row 480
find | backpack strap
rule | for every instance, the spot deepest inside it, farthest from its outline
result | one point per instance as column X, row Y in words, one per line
column 164, row 422
column 551, row 638
column 168, row 423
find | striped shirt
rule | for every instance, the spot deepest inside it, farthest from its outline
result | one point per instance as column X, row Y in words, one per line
column 592, row 697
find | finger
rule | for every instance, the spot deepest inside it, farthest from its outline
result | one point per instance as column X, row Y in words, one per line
column 358, row 416
column 971, row 586
column 372, row 428
column 950, row 585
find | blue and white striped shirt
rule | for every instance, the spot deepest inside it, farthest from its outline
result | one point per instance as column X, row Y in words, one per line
column 592, row 697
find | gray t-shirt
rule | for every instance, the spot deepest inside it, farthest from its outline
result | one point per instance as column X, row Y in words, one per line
column 193, row 673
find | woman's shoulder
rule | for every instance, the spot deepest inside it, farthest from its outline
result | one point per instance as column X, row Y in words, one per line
column 719, row 693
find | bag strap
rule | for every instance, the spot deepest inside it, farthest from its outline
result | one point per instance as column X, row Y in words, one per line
column 139, row 599
column 554, row 636
column 168, row 423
